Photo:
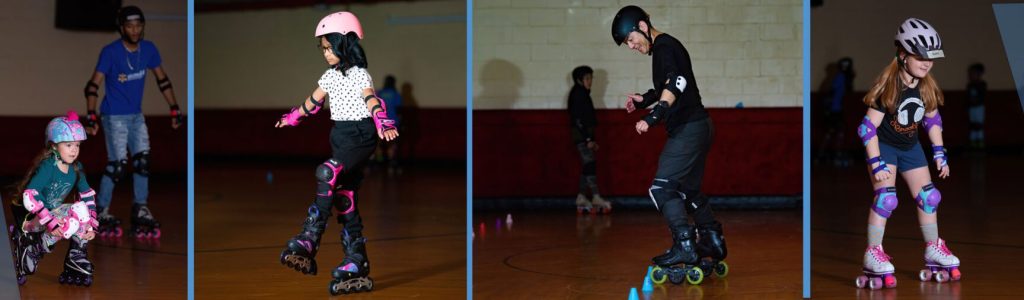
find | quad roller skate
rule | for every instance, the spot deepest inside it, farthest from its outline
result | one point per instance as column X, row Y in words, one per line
column 110, row 226
column 878, row 270
column 352, row 275
column 77, row 267
column 684, row 252
column 300, row 252
column 143, row 223
column 583, row 205
column 600, row 205
column 711, row 245
column 939, row 263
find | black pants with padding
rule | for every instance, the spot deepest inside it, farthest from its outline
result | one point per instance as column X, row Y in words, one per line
column 676, row 189
column 352, row 143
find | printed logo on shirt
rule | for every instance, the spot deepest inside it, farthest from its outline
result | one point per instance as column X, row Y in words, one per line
column 122, row 78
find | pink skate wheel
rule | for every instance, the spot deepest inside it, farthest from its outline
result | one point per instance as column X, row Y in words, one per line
column 875, row 283
column 925, row 275
column 861, row 281
column 955, row 274
column 156, row 233
column 118, row 232
column 942, row 276
column 890, row 281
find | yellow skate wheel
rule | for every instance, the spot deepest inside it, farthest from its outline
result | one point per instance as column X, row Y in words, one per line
column 695, row 275
column 722, row 269
column 656, row 278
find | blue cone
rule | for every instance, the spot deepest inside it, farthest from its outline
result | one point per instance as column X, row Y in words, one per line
column 633, row 294
column 648, row 285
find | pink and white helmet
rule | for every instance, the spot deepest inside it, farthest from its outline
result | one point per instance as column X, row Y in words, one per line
column 341, row 22
column 65, row 129
column 919, row 38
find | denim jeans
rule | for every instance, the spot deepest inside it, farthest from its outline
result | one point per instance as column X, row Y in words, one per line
column 124, row 134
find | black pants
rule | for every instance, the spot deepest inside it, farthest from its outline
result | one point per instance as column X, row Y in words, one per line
column 677, row 185
column 588, row 174
column 352, row 142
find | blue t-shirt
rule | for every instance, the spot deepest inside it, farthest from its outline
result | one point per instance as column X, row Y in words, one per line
column 393, row 100
column 125, row 76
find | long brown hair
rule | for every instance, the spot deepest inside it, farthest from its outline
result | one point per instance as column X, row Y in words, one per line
column 888, row 86
column 48, row 151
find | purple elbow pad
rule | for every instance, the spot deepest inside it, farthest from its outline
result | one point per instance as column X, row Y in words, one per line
column 933, row 121
column 866, row 130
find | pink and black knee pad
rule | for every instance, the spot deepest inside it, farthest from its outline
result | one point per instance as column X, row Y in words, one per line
column 928, row 199
column 345, row 202
column 327, row 175
column 885, row 201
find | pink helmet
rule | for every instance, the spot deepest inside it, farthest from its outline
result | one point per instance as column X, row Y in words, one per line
column 341, row 22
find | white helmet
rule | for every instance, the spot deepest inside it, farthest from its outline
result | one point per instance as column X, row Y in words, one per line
column 919, row 38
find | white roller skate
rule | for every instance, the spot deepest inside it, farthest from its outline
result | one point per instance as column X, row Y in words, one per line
column 878, row 270
column 600, row 205
column 939, row 263
column 583, row 205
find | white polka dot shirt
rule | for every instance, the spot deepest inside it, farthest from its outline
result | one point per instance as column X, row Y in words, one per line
column 346, row 93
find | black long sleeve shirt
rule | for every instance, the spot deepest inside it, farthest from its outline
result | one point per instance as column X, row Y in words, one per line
column 670, row 59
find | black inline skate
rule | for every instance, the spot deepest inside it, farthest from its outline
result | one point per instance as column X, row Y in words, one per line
column 29, row 249
column 684, row 252
column 109, row 226
column 711, row 245
column 77, row 267
column 143, row 223
column 353, row 274
column 300, row 252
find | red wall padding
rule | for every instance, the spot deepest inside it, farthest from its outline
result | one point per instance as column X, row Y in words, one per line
column 24, row 138
column 1003, row 120
column 425, row 134
column 519, row 153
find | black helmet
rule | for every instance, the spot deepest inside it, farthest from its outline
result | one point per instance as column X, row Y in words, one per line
column 626, row 21
column 129, row 13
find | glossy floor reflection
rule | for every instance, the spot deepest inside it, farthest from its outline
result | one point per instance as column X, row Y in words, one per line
column 979, row 218
column 555, row 255
column 415, row 225
column 128, row 268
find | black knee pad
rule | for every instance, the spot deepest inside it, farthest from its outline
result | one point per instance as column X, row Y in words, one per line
column 140, row 162
column 328, row 171
column 663, row 190
column 115, row 169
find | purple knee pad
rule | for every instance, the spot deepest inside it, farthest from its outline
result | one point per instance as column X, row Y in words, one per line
column 928, row 199
column 866, row 130
column 885, row 201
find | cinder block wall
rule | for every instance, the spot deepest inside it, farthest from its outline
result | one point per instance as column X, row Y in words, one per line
column 523, row 51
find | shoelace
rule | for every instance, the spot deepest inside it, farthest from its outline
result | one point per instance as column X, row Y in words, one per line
column 880, row 255
column 942, row 248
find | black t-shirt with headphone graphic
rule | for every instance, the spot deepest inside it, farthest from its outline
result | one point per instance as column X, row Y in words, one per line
column 899, row 129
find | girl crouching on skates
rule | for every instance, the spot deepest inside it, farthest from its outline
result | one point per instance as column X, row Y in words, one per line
column 360, row 118
column 43, row 216
column 904, row 98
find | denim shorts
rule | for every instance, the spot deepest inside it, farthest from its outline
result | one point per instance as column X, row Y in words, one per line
column 905, row 160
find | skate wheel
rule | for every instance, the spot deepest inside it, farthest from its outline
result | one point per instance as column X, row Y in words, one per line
column 694, row 276
column 658, row 275
column 875, row 283
column 118, row 232
column 955, row 274
column 925, row 275
column 676, row 276
column 156, row 233
column 88, row 281
column 942, row 276
column 22, row 279
column 333, row 288
column 861, row 281
column 890, row 281
column 722, row 269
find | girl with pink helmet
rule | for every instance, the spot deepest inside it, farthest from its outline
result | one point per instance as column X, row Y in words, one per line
column 43, row 216
column 360, row 119
column 904, row 99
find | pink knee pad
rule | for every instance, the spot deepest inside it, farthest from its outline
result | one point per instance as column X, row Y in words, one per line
column 351, row 195
column 885, row 201
column 328, row 173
